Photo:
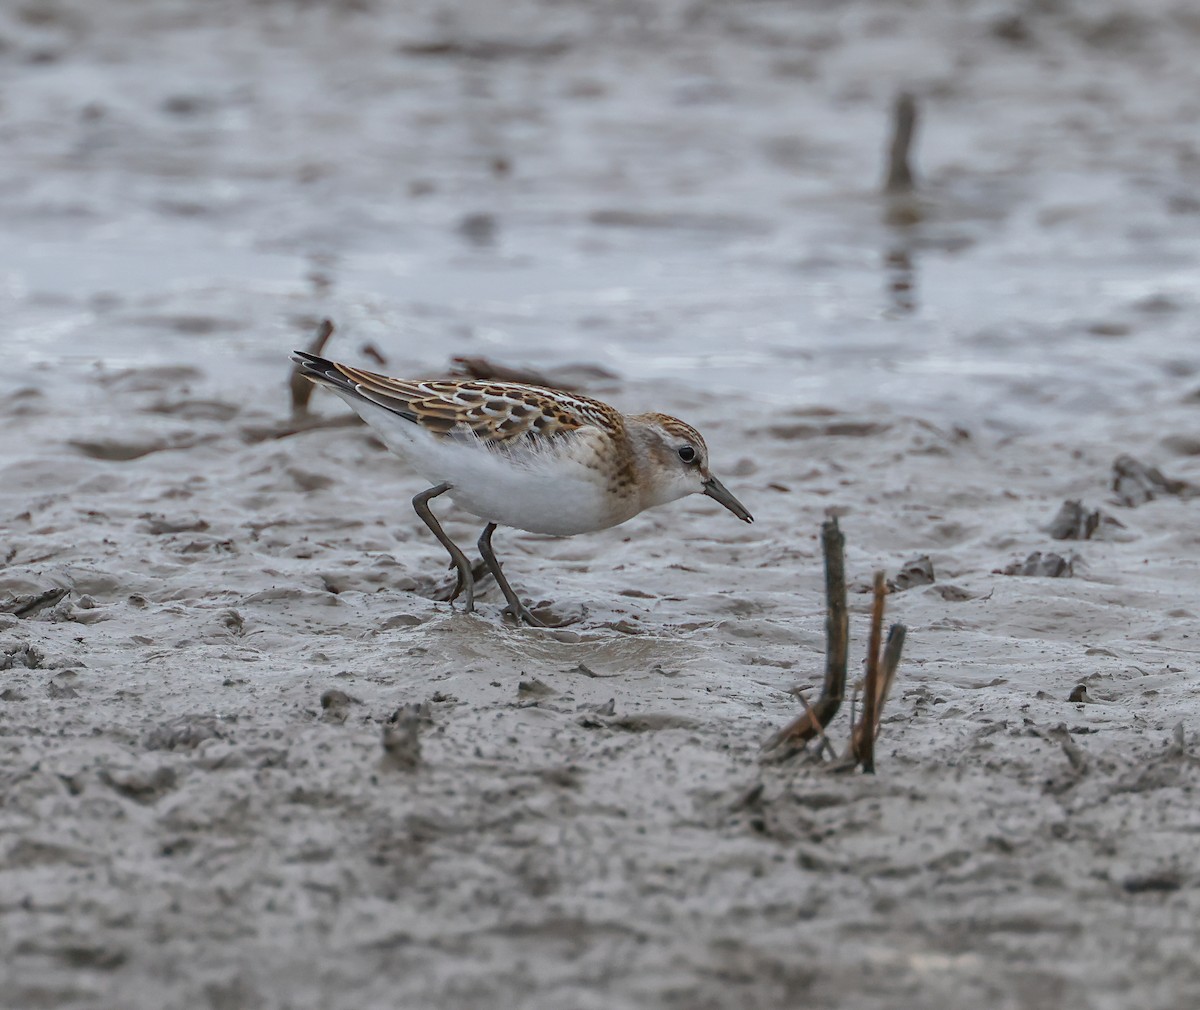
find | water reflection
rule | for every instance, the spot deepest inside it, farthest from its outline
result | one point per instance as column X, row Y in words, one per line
column 900, row 275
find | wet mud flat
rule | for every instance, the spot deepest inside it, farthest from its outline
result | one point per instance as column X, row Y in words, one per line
column 246, row 756
column 249, row 761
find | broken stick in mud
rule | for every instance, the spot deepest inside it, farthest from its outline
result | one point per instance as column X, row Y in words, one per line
column 882, row 662
column 837, row 637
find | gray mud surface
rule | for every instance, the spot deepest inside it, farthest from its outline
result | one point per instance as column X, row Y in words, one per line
column 247, row 760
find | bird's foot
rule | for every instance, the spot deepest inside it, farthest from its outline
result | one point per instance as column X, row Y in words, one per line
column 519, row 612
column 479, row 571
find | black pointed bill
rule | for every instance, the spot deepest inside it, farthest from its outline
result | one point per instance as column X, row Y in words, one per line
column 719, row 492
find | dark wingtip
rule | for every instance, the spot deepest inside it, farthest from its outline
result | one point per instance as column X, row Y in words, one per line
column 307, row 360
column 316, row 367
column 321, row 370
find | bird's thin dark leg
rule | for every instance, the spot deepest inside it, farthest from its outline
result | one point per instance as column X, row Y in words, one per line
column 479, row 570
column 459, row 585
column 465, row 581
column 516, row 609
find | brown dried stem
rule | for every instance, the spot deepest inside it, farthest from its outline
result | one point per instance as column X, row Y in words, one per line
column 887, row 675
column 825, row 744
column 837, row 644
column 862, row 742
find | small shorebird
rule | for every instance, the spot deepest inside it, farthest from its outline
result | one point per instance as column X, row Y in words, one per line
column 536, row 459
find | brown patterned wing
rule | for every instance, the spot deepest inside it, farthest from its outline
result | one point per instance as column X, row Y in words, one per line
column 495, row 412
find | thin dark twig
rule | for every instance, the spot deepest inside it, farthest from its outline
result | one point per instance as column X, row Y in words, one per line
column 837, row 619
column 837, row 645
column 816, row 721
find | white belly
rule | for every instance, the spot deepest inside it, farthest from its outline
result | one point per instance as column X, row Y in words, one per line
column 547, row 493
column 553, row 504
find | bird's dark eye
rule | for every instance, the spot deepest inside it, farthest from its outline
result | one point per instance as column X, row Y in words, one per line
column 687, row 454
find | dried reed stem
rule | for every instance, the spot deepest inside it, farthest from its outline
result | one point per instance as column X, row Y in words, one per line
column 837, row 645
column 825, row 744
column 863, row 741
